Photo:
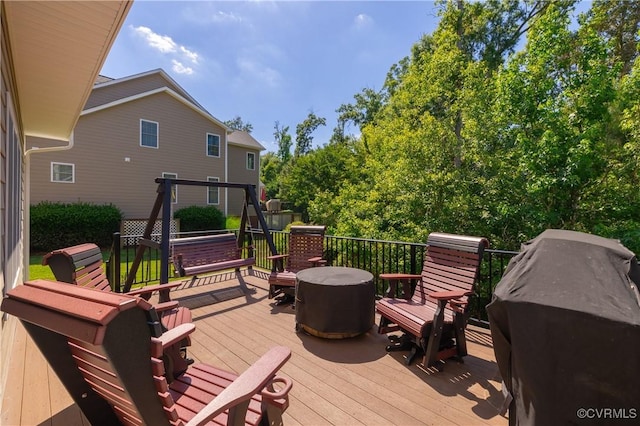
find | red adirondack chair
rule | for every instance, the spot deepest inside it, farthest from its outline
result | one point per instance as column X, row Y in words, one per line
column 82, row 265
column 107, row 350
column 434, row 316
column 306, row 249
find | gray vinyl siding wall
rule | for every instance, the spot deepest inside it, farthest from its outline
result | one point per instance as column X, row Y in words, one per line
column 237, row 164
column 103, row 141
column 12, row 175
column 11, row 228
column 111, row 92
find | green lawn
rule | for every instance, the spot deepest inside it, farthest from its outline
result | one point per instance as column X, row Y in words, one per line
column 37, row 270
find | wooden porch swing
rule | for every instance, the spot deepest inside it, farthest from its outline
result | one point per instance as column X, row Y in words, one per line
column 199, row 254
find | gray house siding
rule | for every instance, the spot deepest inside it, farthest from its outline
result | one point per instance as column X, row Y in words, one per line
column 11, row 198
column 111, row 166
column 109, row 92
column 238, row 172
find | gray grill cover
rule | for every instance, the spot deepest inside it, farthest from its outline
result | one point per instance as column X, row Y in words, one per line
column 565, row 322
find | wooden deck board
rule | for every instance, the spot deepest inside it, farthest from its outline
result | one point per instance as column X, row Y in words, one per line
column 12, row 401
column 336, row 382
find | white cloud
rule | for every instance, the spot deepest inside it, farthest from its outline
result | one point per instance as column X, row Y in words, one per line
column 203, row 13
column 192, row 56
column 257, row 73
column 179, row 68
column 166, row 45
column 362, row 21
column 257, row 66
column 159, row 42
column 222, row 17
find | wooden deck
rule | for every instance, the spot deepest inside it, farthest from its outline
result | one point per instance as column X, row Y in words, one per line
column 336, row 382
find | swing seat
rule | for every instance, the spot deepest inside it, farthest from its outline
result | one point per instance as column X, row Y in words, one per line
column 209, row 253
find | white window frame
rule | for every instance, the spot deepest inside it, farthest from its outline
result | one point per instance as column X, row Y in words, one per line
column 73, row 172
column 142, row 120
column 210, row 189
column 174, row 188
column 251, row 154
column 206, row 145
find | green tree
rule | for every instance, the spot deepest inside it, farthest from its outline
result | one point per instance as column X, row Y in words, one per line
column 618, row 22
column 283, row 140
column 236, row 123
column 430, row 161
column 467, row 136
column 270, row 169
column 321, row 171
column 555, row 100
column 303, row 133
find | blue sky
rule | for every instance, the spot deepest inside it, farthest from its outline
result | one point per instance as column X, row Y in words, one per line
column 270, row 61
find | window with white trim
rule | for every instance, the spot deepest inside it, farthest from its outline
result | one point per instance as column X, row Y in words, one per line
column 213, row 145
column 63, row 172
column 213, row 192
column 148, row 133
column 251, row 161
column 174, row 188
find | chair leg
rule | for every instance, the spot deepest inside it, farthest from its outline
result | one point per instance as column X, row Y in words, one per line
column 460, row 336
column 382, row 325
column 285, row 299
column 415, row 349
column 400, row 343
column 185, row 357
column 271, row 415
column 433, row 345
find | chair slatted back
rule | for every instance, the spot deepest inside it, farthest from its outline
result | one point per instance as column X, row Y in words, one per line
column 451, row 262
column 97, row 349
column 305, row 242
column 106, row 349
column 94, row 366
column 81, row 265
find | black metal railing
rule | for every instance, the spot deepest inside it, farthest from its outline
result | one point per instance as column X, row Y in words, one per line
column 375, row 256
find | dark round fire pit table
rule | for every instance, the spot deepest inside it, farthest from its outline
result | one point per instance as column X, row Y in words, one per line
column 334, row 302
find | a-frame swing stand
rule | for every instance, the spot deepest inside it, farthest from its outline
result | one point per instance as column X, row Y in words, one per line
column 163, row 202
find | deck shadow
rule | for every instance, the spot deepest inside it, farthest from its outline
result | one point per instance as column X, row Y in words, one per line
column 467, row 379
column 479, row 338
column 366, row 347
column 239, row 290
column 72, row 415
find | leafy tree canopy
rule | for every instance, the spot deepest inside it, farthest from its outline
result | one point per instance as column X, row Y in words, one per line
column 470, row 136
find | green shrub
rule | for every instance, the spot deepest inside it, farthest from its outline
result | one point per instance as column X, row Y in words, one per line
column 57, row 225
column 294, row 223
column 627, row 231
column 197, row 218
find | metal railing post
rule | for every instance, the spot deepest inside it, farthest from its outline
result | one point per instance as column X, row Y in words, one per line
column 115, row 263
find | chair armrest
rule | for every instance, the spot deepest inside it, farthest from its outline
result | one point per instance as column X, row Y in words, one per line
column 277, row 256
column 151, row 288
column 393, row 284
column 270, row 391
column 252, row 381
column 458, row 305
column 176, row 334
column 317, row 260
column 448, row 295
column 166, row 306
